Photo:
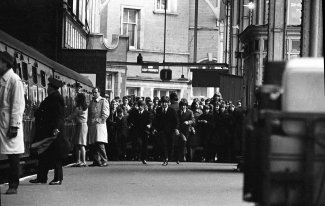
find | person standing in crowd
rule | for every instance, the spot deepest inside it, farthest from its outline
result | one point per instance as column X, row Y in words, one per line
column 213, row 142
column 111, row 132
column 125, row 106
column 78, row 88
column 185, row 119
column 231, row 130
column 166, row 124
column 49, row 122
column 222, row 128
column 240, row 114
column 12, row 106
column 121, row 129
column 205, row 125
column 174, row 101
column 80, row 117
column 194, row 137
column 132, row 134
column 98, row 112
column 142, row 126
column 153, row 140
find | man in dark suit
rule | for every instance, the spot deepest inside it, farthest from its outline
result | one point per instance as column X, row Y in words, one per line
column 186, row 119
column 166, row 124
column 142, row 125
column 49, row 121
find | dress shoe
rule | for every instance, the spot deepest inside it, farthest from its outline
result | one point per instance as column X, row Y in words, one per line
column 104, row 164
column 37, row 181
column 165, row 163
column 95, row 165
column 53, row 182
column 11, row 191
column 144, row 162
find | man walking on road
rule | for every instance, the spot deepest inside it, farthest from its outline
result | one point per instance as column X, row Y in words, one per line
column 166, row 123
column 12, row 106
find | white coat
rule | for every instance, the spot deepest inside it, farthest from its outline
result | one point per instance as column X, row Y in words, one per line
column 12, row 106
column 98, row 112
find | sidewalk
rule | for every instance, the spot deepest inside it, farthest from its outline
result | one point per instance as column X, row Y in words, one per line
column 132, row 183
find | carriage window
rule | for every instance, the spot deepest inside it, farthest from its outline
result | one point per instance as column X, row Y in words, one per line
column 25, row 71
column 43, row 78
column 34, row 74
column 18, row 70
column 41, row 94
column 33, row 95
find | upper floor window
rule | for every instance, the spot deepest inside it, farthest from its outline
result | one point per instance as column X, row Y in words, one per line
column 294, row 12
column 78, row 9
column 170, row 5
column 161, row 4
column 131, row 26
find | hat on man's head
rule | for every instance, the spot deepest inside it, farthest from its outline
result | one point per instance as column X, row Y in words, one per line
column 77, row 85
column 55, row 83
column 6, row 57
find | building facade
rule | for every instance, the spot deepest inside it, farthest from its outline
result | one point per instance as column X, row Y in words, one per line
column 267, row 31
column 143, row 23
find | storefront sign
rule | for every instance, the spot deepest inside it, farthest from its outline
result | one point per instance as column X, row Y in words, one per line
column 150, row 69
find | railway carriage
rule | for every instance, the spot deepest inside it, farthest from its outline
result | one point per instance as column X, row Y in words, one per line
column 34, row 69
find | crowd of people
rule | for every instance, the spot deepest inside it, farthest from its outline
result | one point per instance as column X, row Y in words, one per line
column 175, row 129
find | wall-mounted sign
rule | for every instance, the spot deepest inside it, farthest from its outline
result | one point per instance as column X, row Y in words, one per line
column 150, row 69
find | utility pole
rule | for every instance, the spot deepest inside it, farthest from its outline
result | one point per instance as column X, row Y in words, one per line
column 195, row 30
column 165, row 31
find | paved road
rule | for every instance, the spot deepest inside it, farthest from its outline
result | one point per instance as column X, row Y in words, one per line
column 132, row 183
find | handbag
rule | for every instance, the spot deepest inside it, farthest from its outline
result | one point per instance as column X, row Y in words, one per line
column 42, row 145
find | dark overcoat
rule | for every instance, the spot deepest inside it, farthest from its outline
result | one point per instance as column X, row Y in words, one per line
column 50, row 116
column 166, row 123
column 142, row 120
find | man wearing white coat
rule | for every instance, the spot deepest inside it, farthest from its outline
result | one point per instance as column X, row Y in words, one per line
column 98, row 112
column 12, row 106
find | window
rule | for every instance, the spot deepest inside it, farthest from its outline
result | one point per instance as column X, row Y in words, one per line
column 131, row 27
column 295, row 45
column 171, row 6
column 199, row 91
column 108, row 82
column 294, row 12
column 25, row 71
column 132, row 91
column 34, row 74
column 73, row 37
column 265, row 45
column 43, row 77
column 161, row 4
column 257, row 45
column 293, row 48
